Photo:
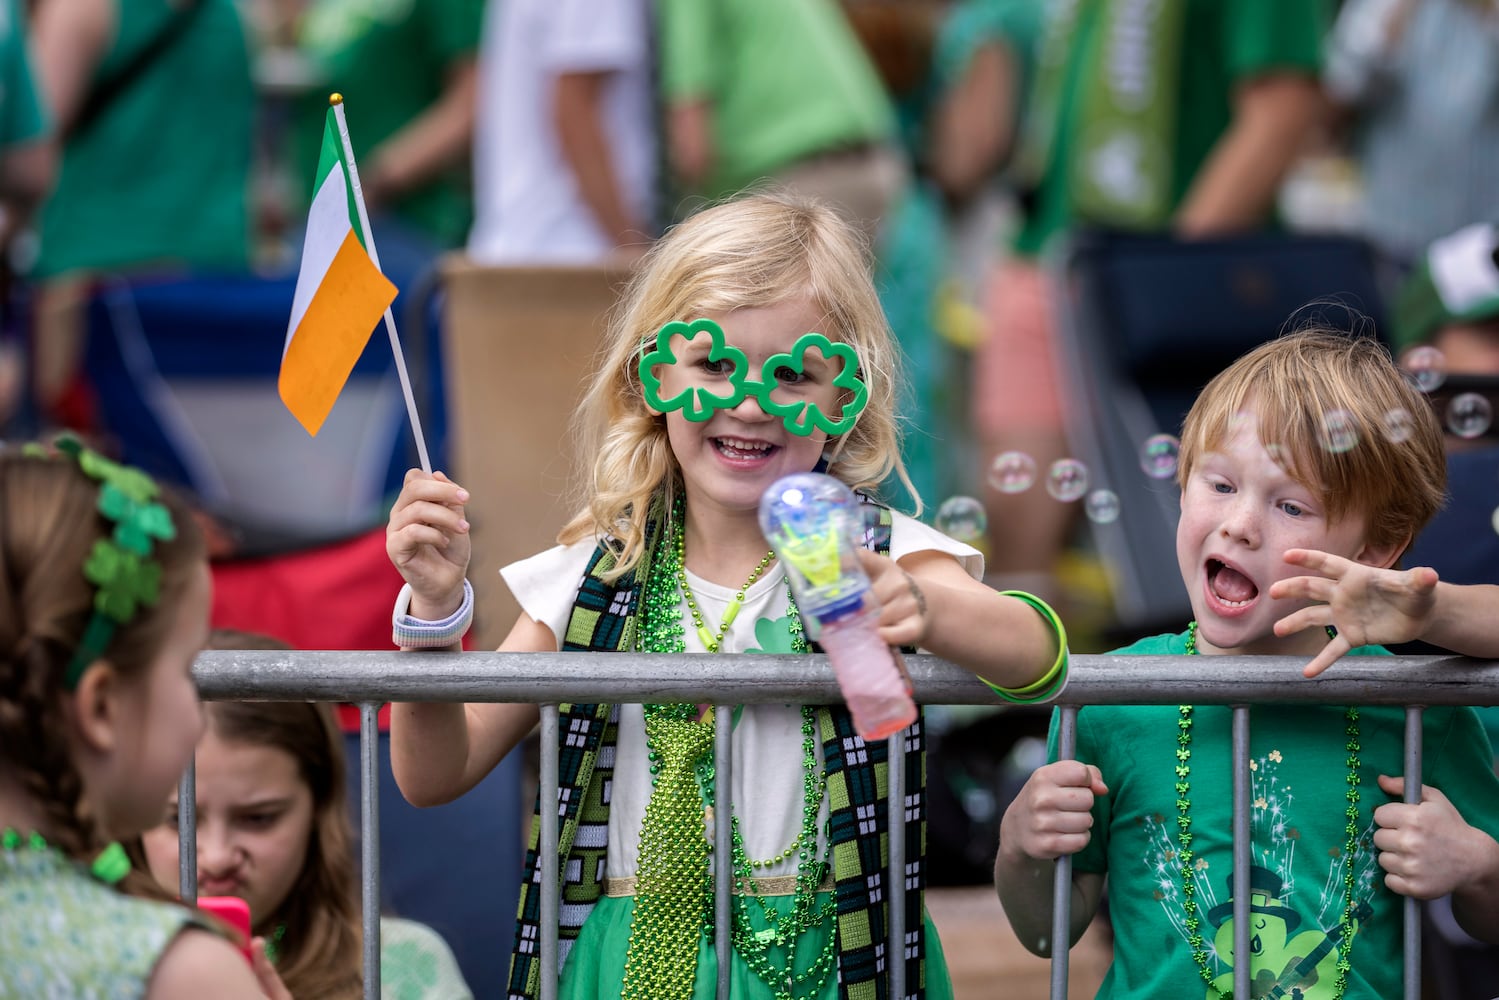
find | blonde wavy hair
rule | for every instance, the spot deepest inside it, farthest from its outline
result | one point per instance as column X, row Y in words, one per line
column 754, row 251
column 1341, row 419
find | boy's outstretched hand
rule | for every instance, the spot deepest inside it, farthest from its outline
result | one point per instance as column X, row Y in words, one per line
column 427, row 538
column 1364, row 603
column 1052, row 814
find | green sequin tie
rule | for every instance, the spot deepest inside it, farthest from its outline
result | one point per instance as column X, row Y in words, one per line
column 672, row 874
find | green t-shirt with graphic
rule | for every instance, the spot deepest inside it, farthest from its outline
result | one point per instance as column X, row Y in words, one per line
column 1299, row 769
column 391, row 60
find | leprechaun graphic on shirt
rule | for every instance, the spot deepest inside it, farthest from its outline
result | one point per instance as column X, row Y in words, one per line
column 1292, row 954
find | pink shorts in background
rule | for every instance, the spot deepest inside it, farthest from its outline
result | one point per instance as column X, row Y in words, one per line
column 1015, row 372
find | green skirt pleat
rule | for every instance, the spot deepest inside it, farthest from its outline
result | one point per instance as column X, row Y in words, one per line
column 595, row 966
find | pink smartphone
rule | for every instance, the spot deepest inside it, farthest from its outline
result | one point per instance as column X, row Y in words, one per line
column 234, row 912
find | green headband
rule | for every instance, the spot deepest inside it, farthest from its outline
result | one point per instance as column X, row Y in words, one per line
column 799, row 417
column 120, row 564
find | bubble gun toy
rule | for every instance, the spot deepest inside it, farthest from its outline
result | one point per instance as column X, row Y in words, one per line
column 814, row 523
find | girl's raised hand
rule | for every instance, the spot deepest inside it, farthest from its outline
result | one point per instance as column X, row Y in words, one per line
column 1364, row 603
column 428, row 540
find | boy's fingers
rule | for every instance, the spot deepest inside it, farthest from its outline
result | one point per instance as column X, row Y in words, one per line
column 1394, row 784
column 1315, row 560
column 1334, row 649
column 1298, row 620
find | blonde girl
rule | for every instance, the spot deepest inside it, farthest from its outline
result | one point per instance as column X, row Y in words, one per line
column 104, row 598
column 750, row 345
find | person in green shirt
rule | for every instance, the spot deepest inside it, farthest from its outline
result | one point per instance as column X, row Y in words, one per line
column 1179, row 116
column 27, row 163
column 153, row 106
column 1285, row 467
column 408, row 73
column 780, row 90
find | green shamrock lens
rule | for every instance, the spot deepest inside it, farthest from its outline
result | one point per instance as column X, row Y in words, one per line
column 718, row 380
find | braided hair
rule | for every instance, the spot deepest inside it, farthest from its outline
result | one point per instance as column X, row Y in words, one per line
column 49, row 524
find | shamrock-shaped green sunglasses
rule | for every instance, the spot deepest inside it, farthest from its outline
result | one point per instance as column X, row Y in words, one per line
column 800, row 416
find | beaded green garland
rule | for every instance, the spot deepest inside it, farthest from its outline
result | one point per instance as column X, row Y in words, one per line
column 273, row 944
column 1184, row 838
column 110, row 866
column 662, row 631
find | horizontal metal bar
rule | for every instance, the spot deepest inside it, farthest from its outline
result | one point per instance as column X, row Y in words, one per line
column 746, row 679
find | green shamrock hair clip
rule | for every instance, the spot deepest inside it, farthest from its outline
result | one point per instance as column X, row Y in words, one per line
column 119, row 565
column 732, row 383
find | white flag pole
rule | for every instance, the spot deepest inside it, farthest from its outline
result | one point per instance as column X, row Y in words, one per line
column 337, row 101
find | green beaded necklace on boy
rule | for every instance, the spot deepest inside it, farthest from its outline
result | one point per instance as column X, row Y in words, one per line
column 662, row 631
column 1184, row 838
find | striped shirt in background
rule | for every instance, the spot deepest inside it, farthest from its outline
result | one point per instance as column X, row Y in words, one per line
column 1422, row 78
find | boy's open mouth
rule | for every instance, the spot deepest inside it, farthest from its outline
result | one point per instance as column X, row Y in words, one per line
column 1229, row 585
column 743, row 449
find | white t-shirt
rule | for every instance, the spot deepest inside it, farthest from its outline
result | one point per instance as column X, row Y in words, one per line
column 527, row 207
column 767, row 740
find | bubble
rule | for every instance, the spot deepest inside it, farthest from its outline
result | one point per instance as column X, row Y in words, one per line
column 1495, row 520
column 1339, row 431
column 1469, row 415
column 1427, row 367
column 962, row 518
column 1012, row 472
column 1159, row 455
column 1102, row 506
column 1068, row 480
column 1399, row 425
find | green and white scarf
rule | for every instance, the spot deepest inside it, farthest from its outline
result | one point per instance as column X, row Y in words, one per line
column 1123, row 139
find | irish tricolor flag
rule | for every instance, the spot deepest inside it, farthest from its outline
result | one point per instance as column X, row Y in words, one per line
column 340, row 294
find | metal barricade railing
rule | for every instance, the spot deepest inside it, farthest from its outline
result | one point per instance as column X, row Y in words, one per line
column 547, row 679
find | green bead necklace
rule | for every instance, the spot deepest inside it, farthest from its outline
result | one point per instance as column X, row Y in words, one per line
column 109, row 866
column 273, row 943
column 1184, row 838
column 662, row 631
column 711, row 642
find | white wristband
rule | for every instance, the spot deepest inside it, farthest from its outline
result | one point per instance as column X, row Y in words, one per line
column 417, row 633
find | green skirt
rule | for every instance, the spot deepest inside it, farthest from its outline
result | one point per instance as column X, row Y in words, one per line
column 595, row 966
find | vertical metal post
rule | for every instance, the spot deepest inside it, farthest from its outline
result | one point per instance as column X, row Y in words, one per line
column 369, row 836
column 895, row 926
column 1243, row 855
column 547, row 860
column 1413, row 765
column 723, row 830
column 1061, row 887
column 187, row 834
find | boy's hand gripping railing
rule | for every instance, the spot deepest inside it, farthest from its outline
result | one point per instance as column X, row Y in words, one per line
column 546, row 679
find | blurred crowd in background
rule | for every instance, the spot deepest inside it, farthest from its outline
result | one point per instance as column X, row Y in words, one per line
column 972, row 140
column 969, row 138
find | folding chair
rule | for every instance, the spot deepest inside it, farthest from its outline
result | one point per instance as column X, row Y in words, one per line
column 184, row 370
column 1143, row 324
